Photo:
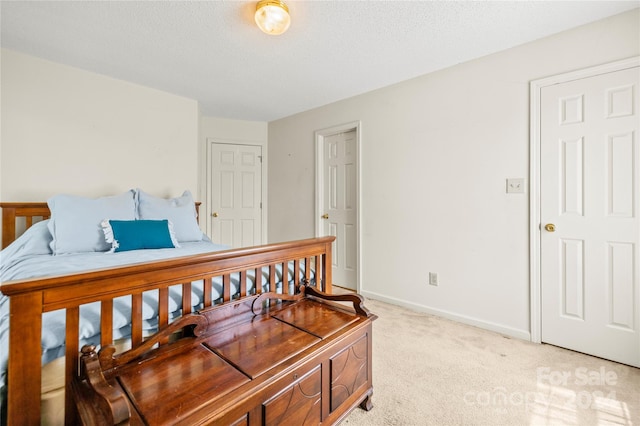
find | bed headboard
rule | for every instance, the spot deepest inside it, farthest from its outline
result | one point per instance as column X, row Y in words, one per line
column 11, row 212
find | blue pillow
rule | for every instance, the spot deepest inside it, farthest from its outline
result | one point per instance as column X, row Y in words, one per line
column 75, row 221
column 125, row 235
column 181, row 211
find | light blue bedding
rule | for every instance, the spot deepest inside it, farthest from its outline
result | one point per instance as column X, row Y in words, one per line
column 30, row 256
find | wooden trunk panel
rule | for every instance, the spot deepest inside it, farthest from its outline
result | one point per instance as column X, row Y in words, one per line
column 316, row 318
column 298, row 404
column 260, row 345
column 243, row 421
column 349, row 371
column 163, row 390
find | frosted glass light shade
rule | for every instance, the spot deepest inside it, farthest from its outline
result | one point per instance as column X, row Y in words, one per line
column 272, row 16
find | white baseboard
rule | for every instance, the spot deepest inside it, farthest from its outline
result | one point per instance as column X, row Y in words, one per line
column 498, row 328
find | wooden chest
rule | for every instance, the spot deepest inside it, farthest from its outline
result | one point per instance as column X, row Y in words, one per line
column 306, row 362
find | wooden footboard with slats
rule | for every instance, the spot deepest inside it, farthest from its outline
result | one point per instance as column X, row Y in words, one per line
column 29, row 299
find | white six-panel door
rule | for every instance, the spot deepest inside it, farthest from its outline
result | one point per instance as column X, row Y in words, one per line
column 236, row 194
column 340, row 205
column 589, row 207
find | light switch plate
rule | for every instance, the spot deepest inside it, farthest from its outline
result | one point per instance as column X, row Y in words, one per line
column 515, row 185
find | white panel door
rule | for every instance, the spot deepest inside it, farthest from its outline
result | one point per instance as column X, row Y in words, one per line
column 236, row 198
column 590, row 186
column 340, row 204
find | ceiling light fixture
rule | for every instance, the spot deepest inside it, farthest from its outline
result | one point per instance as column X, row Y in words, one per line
column 272, row 16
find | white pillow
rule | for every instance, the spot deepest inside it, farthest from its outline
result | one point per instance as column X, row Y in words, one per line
column 75, row 221
column 181, row 211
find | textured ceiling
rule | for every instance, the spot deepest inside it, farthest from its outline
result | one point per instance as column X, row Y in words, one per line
column 212, row 51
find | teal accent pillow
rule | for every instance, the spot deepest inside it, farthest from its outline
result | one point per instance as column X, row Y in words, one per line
column 125, row 235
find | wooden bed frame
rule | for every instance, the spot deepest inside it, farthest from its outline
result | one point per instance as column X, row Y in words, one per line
column 29, row 299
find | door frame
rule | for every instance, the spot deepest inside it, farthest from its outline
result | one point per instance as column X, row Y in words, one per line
column 209, row 174
column 319, row 136
column 535, row 232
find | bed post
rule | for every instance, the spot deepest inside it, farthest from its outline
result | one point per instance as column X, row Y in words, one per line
column 8, row 225
column 327, row 279
column 12, row 211
column 24, row 378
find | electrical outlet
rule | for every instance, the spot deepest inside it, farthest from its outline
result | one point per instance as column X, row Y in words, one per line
column 515, row 186
column 433, row 278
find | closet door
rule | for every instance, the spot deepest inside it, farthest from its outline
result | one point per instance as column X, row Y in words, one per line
column 236, row 194
column 340, row 202
column 590, row 201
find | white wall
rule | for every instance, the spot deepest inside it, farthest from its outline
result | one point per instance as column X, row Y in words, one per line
column 436, row 151
column 233, row 130
column 72, row 131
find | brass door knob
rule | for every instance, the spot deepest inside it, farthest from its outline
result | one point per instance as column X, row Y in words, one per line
column 550, row 227
column 215, row 214
column 325, row 216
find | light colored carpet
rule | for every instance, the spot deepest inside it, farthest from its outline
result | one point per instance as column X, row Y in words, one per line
column 431, row 371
